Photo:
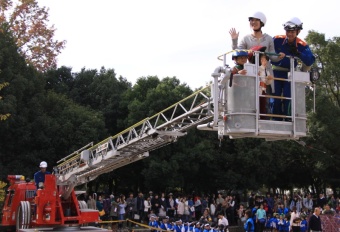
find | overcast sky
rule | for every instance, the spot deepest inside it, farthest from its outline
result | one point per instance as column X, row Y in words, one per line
column 181, row 38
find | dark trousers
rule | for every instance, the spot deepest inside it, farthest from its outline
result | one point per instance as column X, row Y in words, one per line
column 281, row 88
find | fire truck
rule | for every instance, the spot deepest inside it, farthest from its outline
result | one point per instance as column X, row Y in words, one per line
column 230, row 109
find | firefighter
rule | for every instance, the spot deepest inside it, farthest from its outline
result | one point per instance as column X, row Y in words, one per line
column 39, row 177
column 289, row 44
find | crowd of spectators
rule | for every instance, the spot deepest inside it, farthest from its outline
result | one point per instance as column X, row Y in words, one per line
column 192, row 212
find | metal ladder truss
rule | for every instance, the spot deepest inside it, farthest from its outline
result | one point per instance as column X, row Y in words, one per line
column 137, row 141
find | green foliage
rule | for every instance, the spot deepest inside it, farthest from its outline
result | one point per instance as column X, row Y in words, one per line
column 44, row 125
column 2, row 191
column 55, row 113
column 3, row 116
column 101, row 91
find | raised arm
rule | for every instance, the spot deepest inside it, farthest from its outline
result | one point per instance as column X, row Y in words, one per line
column 234, row 37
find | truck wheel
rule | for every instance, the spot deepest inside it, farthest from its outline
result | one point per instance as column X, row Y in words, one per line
column 23, row 215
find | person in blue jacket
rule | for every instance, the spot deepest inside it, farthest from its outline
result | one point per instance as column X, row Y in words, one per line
column 164, row 224
column 282, row 209
column 291, row 45
column 249, row 224
column 39, row 177
column 303, row 224
column 286, row 224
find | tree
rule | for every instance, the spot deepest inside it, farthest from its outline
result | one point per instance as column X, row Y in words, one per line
column 44, row 125
column 323, row 125
column 3, row 116
column 29, row 25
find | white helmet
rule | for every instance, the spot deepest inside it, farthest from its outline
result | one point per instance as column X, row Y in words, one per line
column 259, row 15
column 293, row 24
column 43, row 164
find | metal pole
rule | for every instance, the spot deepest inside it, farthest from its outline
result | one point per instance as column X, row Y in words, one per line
column 314, row 97
column 292, row 91
column 257, row 100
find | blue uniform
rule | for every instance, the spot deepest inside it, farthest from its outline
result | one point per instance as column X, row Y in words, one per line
column 285, row 226
column 154, row 224
column 165, row 226
column 303, row 225
column 178, row 228
column 40, row 177
column 269, row 223
column 281, row 68
column 275, row 223
column 283, row 211
column 249, row 225
column 197, row 229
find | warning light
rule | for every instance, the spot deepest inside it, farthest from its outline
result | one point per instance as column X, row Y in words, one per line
column 15, row 178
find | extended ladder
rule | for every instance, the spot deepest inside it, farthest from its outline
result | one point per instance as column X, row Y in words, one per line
column 135, row 142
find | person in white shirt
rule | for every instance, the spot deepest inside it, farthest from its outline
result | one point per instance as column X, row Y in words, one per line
column 295, row 220
column 222, row 221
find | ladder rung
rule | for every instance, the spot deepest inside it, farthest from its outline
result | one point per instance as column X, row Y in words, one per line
column 276, row 115
column 281, row 79
column 277, row 97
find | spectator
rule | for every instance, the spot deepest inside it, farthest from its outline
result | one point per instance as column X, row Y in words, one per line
column 241, row 215
column 314, row 223
column 295, row 220
column 198, row 208
column 155, row 204
column 171, row 206
column 186, row 215
column 222, row 221
column 308, row 202
column 249, row 225
column 100, row 207
column 219, row 199
column 260, row 218
column 147, row 208
column 121, row 212
column 91, row 203
column 328, row 210
column 140, row 206
column 163, row 207
column 154, row 222
column 251, row 201
column 270, row 202
column 303, row 224
column 282, row 209
column 332, row 202
column 296, row 201
column 165, row 225
column 107, row 207
column 321, row 201
column 180, row 208
column 191, row 207
column 131, row 208
column 114, row 212
column 205, row 218
column 285, row 201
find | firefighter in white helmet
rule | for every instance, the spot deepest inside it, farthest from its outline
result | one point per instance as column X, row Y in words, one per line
column 289, row 44
column 39, row 177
